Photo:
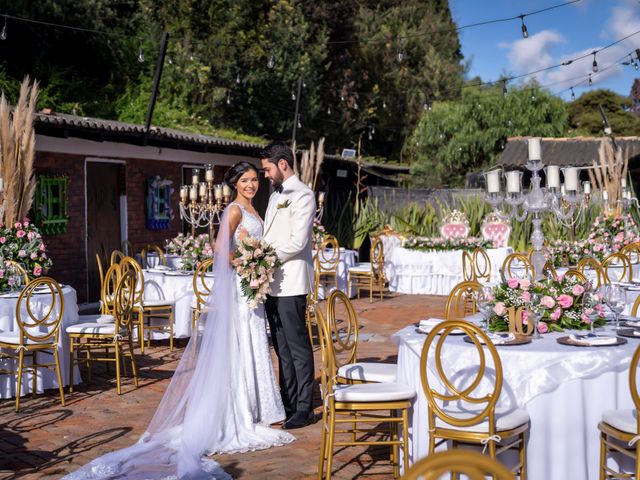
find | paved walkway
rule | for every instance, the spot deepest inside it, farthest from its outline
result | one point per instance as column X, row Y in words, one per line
column 45, row 440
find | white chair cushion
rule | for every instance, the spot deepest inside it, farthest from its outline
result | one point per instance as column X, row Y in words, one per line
column 14, row 339
column 97, row 318
column 369, row 372
column 373, row 392
column 361, row 268
column 625, row 420
column 504, row 420
column 158, row 303
column 94, row 328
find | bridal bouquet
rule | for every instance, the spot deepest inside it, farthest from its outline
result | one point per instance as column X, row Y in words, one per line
column 559, row 303
column 254, row 262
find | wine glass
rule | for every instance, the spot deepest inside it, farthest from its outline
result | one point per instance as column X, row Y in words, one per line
column 535, row 309
column 590, row 300
column 484, row 301
column 616, row 299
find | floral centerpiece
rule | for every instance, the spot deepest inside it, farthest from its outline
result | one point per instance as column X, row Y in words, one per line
column 23, row 244
column 255, row 261
column 559, row 304
column 192, row 250
column 317, row 235
column 437, row 244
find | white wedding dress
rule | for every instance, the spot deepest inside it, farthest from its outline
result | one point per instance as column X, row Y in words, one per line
column 222, row 396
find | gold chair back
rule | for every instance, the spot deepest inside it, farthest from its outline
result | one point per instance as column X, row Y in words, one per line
column 617, row 268
column 202, row 287
column 152, row 248
column 328, row 255
column 633, row 383
column 467, row 266
column 377, row 258
column 458, row 461
column 632, row 251
column 125, row 300
column 128, row 249
column 108, row 290
column 342, row 327
column 462, row 300
column 444, row 389
column 129, row 264
column 18, row 269
column 116, row 257
column 590, row 263
column 481, row 265
column 40, row 327
column 549, row 270
column 517, row 265
column 579, row 276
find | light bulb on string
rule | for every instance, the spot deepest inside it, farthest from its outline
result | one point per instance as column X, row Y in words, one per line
column 400, row 54
column 590, row 80
column 525, row 32
column 370, row 136
column 299, row 122
column 355, row 105
column 293, row 94
column 342, row 98
column 635, row 65
column 228, row 98
column 594, row 66
column 238, row 79
column 573, row 94
column 329, row 110
column 170, row 60
column 272, row 61
column 384, row 104
column 304, row 84
column 140, row 53
column 426, row 106
column 373, row 129
column 504, row 88
column 3, row 34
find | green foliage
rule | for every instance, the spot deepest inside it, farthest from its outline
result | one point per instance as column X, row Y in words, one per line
column 584, row 115
column 457, row 137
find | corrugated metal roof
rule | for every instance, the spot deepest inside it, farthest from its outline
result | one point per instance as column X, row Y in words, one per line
column 575, row 151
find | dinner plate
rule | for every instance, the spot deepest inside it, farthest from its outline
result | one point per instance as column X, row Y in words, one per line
column 629, row 332
column 568, row 341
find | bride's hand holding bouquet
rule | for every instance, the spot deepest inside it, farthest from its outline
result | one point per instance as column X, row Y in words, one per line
column 255, row 261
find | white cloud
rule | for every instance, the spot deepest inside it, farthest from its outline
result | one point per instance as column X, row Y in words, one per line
column 532, row 53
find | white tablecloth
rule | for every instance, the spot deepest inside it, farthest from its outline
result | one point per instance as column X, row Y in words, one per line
column 434, row 273
column 46, row 378
column 348, row 258
column 565, row 390
column 172, row 285
column 173, row 261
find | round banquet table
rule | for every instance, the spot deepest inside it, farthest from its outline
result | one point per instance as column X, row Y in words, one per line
column 434, row 273
column 565, row 390
column 46, row 378
column 174, row 285
column 348, row 258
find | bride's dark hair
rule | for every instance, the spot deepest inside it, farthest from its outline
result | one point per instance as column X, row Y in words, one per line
column 235, row 172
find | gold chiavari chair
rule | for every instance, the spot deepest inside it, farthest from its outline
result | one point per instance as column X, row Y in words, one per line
column 365, row 275
column 517, row 265
column 549, row 270
column 573, row 273
column 481, row 265
column 617, row 268
column 326, row 262
column 146, row 309
column 116, row 257
column 100, row 270
column 636, row 307
column 620, row 430
column 342, row 324
column 128, row 249
column 632, row 251
column 18, row 269
column 589, row 263
column 468, row 272
column 473, row 465
column 201, row 288
column 107, row 336
column 352, row 405
column 152, row 248
column 38, row 332
column 464, row 413
column 462, row 300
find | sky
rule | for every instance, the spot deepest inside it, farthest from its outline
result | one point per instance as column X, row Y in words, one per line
column 555, row 36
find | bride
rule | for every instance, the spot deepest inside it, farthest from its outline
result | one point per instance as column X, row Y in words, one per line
column 223, row 395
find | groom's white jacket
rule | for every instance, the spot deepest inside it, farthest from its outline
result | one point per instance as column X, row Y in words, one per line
column 288, row 226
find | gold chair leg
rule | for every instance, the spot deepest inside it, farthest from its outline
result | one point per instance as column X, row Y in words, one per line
column 332, row 432
column 370, row 289
column 117, row 348
column 405, row 439
column 523, row 457
column 171, row 330
column 395, row 448
column 323, row 445
column 56, row 359
column 71, row 353
column 603, row 455
column 34, row 375
column 19, row 386
column 133, row 362
column 141, row 331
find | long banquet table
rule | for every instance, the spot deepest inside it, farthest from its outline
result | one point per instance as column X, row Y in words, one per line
column 564, row 389
column 46, row 378
column 433, row 273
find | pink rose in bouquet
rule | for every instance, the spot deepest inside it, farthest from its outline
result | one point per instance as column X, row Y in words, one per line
column 513, row 283
column 577, row 290
column 565, row 301
column 548, row 301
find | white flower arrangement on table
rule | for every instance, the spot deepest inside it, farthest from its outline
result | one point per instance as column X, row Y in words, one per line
column 255, row 262
column 22, row 243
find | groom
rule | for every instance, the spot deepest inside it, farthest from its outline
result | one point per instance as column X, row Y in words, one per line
column 288, row 224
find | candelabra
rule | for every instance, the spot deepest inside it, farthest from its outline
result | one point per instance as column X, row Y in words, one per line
column 202, row 203
column 560, row 200
column 320, row 207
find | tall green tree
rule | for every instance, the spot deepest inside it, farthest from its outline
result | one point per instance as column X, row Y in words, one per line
column 459, row 137
column 584, row 115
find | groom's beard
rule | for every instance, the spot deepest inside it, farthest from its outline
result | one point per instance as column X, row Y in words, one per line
column 277, row 180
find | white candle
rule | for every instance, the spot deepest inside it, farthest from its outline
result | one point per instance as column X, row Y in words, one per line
column 571, row 179
column 195, row 176
column 553, row 176
column 605, row 195
column 513, row 181
column 217, row 192
column 493, row 181
column 193, row 192
column 627, row 195
column 226, row 190
column 586, row 187
column 535, row 148
column 623, row 183
column 321, row 197
column 184, row 193
column 203, row 189
column 208, row 174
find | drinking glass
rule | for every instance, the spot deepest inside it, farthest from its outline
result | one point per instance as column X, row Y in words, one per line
column 616, row 299
column 484, row 301
column 590, row 300
column 535, row 310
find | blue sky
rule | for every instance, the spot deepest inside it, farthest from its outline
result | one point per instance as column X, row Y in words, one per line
column 554, row 36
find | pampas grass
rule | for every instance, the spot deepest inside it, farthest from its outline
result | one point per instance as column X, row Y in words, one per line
column 17, row 149
column 311, row 164
column 608, row 171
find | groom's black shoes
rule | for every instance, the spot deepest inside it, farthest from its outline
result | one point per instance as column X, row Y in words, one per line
column 299, row 420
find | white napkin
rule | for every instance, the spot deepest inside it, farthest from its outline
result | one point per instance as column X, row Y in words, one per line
column 499, row 338
column 633, row 323
column 425, row 326
column 161, row 268
column 593, row 340
column 475, row 318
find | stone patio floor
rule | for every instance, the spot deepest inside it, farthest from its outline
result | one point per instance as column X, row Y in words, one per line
column 45, row 440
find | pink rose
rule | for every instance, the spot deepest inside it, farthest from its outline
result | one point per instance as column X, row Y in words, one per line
column 42, row 247
column 3, row 239
column 542, row 327
column 525, row 283
column 22, row 253
column 254, row 283
column 18, row 225
column 526, row 297
column 619, row 237
column 585, row 318
column 20, row 233
column 500, row 309
column 30, row 235
column 37, row 270
column 578, row 290
column 547, row 301
column 555, row 316
column 565, row 301
column 513, row 283
column 34, row 255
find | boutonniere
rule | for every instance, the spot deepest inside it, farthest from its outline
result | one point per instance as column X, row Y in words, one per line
column 284, row 204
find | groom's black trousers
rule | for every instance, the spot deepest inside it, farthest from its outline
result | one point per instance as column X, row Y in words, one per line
column 290, row 337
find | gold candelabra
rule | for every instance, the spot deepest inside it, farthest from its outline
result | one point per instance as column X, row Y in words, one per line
column 320, row 207
column 202, row 203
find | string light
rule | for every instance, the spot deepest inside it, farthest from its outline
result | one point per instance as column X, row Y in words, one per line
column 238, row 79
column 329, row 110
column 3, row 34
column 272, row 61
column 573, row 94
column 590, row 80
column 595, row 63
column 355, row 105
column 228, row 98
column 400, row 54
column 299, row 121
column 373, row 129
column 370, row 133
column 140, row 53
column 170, row 61
column 384, row 104
column 525, row 32
column 293, row 94
column 426, row 106
column 504, row 88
